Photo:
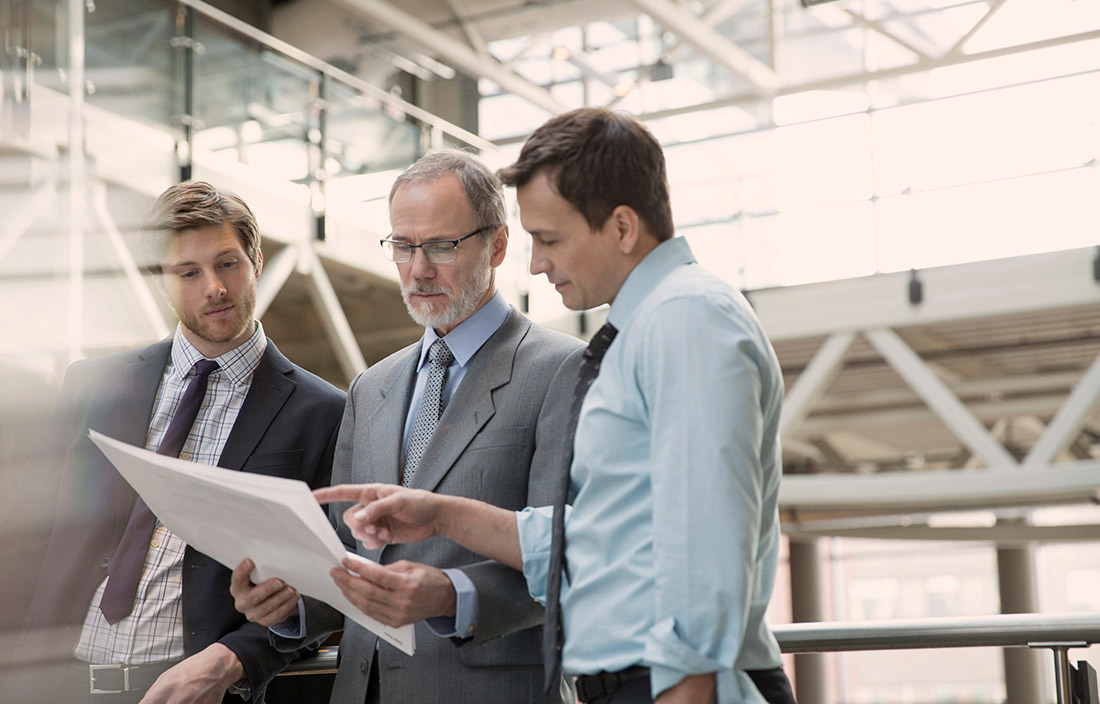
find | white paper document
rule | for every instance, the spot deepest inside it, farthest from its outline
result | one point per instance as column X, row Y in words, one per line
column 232, row 515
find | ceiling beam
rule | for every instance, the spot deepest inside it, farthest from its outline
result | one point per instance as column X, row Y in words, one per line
column 463, row 57
column 709, row 42
column 1017, row 534
column 878, row 28
column 941, row 489
column 939, row 398
column 1066, row 425
column 814, row 381
column 473, row 36
column 957, row 49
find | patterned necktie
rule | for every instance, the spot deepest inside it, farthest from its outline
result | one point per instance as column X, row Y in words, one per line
column 554, row 636
column 431, row 407
column 126, row 566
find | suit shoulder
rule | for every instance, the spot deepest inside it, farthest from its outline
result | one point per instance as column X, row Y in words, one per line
column 112, row 362
column 551, row 343
column 384, row 367
column 314, row 385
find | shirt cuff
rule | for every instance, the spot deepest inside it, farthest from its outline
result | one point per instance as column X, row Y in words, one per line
column 464, row 623
column 295, row 626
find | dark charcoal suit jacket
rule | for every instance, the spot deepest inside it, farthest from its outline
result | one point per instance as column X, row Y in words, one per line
column 286, row 427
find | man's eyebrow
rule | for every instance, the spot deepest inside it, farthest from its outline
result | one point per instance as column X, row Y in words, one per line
column 219, row 255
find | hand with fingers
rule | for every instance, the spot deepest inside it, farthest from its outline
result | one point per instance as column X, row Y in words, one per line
column 397, row 594
column 385, row 513
column 268, row 603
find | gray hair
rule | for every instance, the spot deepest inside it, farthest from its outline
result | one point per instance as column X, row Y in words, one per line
column 483, row 189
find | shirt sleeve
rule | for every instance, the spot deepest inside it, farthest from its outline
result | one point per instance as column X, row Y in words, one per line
column 464, row 623
column 706, row 430
column 535, row 534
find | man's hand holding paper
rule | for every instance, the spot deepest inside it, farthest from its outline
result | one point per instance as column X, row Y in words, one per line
column 237, row 516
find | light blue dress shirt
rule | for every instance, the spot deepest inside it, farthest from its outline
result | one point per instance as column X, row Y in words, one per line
column 673, row 534
column 464, row 341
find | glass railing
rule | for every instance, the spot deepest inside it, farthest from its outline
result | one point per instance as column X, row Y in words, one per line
column 222, row 95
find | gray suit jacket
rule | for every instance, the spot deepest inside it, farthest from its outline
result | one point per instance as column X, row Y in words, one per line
column 499, row 440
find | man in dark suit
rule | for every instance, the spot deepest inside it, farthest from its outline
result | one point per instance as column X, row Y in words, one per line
column 120, row 603
column 484, row 422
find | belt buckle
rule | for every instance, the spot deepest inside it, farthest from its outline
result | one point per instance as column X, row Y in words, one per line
column 94, row 671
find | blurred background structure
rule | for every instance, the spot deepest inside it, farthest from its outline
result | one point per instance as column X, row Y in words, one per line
column 908, row 191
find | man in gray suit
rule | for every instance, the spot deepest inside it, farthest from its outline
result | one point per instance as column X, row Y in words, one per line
column 474, row 409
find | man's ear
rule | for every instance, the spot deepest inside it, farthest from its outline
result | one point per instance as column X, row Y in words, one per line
column 627, row 227
column 259, row 262
column 499, row 245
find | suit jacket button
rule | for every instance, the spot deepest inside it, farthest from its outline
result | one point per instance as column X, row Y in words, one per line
column 364, row 666
column 104, row 560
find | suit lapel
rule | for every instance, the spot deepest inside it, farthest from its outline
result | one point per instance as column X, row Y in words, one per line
column 270, row 390
column 472, row 406
column 386, row 421
column 137, row 390
column 138, row 386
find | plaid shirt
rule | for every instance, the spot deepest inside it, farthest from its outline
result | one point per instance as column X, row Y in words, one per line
column 153, row 632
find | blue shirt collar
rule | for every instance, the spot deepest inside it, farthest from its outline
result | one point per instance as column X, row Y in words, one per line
column 237, row 364
column 656, row 265
column 466, row 339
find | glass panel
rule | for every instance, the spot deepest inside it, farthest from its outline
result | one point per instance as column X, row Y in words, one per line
column 133, row 78
column 251, row 104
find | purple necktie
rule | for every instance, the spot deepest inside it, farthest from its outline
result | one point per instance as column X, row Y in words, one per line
column 124, row 571
column 553, row 637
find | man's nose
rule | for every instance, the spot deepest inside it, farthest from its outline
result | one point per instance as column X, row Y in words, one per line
column 214, row 286
column 539, row 263
column 419, row 266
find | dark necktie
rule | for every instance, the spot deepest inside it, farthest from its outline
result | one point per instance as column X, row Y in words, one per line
column 125, row 569
column 431, row 407
column 554, row 635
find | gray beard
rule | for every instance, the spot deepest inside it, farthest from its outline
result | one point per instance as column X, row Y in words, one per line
column 463, row 303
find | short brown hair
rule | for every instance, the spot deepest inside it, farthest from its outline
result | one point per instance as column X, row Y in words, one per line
column 197, row 204
column 599, row 159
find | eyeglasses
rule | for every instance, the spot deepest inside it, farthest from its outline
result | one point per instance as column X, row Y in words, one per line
column 436, row 251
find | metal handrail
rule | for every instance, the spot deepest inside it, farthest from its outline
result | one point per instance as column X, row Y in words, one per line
column 1057, row 632
column 336, row 74
column 1005, row 630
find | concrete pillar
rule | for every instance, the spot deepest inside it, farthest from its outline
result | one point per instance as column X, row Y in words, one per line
column 807, row 606
column 1016, row 572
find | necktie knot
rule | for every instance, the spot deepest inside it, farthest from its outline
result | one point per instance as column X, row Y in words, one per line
column 204, row 367
column 439, row 354
column 599, row 343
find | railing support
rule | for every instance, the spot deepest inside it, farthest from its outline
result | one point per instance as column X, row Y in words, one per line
column 1063, row 672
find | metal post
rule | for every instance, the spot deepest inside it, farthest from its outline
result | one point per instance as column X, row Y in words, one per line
column 315, row 148
column 1016, row 574
column 184, row 43
column 1063, row 672
column 807, row 607
column 1062, row 683
column 77, row 179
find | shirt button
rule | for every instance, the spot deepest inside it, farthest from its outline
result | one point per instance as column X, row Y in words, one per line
column 364, row 666
column 155, row 543
column 104, row 560
column 185, row 455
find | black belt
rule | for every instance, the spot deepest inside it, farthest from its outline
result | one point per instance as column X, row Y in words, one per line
column 602, row 684
column 773, row 683
column 117, row 679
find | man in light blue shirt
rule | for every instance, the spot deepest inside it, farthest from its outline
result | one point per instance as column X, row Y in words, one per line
column 473, row 410
column 672, row 539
